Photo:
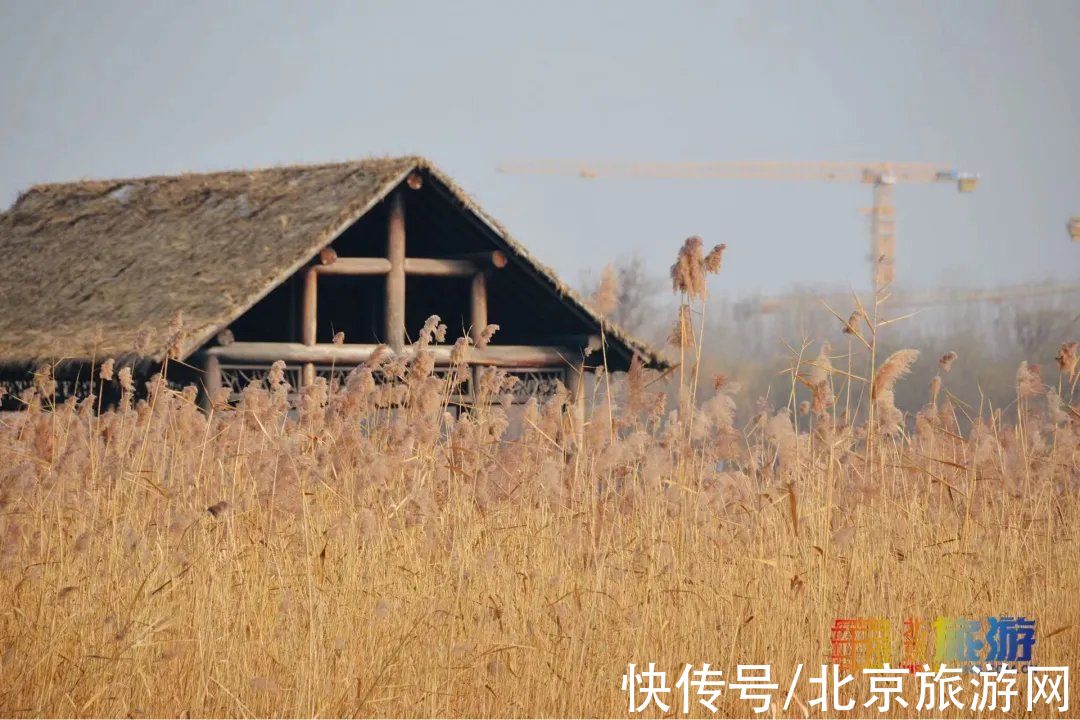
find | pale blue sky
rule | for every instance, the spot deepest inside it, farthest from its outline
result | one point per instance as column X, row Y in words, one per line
column 105, row 89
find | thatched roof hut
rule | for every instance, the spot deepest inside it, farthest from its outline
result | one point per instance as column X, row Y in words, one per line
column 100, row 268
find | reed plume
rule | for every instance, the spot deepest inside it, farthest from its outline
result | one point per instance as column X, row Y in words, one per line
column 1068, row 357
column 946, row 361
column 890, row 419
column 606, row 298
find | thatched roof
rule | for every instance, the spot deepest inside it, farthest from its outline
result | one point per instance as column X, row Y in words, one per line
column 100, row 268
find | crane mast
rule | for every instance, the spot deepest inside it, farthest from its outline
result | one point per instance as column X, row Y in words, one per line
column 882, row 177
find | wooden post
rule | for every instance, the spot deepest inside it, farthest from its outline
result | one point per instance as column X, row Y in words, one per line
column 395, row 279
column 211, row 379
column 310, row 315
column 575, row 384
column 478, row 306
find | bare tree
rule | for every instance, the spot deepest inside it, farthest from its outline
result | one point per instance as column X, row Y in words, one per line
column 1034, row 328
column 637, row 293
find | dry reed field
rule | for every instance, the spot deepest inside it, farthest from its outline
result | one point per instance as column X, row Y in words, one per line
column 362, row 550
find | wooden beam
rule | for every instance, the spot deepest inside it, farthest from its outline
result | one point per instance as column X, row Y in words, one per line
column 494, row 259
column 478, row 307
column 394, row 334
column 355, row 266
column 464, row 266
column 522, row 356
column 310, row 316
column 440, row 267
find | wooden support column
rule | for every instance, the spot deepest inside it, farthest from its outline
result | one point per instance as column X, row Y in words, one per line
column 309, row 319
column 478, row 306
column 575, row 385
column 395, row 278
column 211, row 379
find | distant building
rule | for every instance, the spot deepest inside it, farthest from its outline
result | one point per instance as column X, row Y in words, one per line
column 269, row 265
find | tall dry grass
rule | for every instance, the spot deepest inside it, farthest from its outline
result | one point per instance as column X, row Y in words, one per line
column 319, row 553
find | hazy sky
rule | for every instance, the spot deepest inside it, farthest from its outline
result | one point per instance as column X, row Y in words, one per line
column 106, row 89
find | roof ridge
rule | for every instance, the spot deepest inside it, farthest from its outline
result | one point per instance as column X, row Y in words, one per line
column 90, row 182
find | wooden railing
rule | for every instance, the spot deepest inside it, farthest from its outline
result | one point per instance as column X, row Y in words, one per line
column 514, row 356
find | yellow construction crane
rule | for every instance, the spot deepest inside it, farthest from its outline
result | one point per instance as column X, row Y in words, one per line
column 881, row 176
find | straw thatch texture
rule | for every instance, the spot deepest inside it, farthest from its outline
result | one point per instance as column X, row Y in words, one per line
column 90, row 267
column 100, row 268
